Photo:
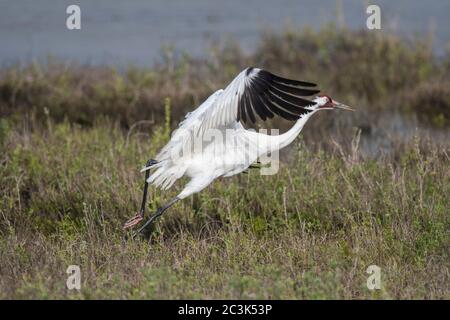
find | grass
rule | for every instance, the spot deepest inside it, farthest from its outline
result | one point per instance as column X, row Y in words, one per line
column 71, row 150
column 324, row 219
column 375, row 71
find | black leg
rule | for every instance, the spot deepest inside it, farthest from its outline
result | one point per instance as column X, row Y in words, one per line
column 256, row 165
column 158, row 213
column 149, row 163
column 136, row 219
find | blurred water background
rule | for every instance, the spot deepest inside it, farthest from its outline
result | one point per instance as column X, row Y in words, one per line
column 121, row 33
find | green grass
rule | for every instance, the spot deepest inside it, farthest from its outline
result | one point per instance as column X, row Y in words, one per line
column 365, row 69
column 309, row 232
column 71, row 150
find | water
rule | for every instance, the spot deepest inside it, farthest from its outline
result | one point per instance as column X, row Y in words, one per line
column 120, row 33
column 388, row 128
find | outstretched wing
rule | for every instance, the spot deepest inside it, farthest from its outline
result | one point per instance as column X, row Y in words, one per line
column 267, row 94
column 253, row 93
column 258, row 93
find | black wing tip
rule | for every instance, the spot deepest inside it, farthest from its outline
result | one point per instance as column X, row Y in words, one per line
column 270, row 76
column 293, row 82
column 286, row 102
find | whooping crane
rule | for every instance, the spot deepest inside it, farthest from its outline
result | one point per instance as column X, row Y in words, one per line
column 254, row 92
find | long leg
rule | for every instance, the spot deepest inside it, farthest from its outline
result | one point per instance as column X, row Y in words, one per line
column 256, row 165
column 195, row 185
column 158, row 213
column 140, row 215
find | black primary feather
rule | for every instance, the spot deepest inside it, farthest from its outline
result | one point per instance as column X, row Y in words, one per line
column 266, row 94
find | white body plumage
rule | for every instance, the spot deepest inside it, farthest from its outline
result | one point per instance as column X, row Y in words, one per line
column 211, row 142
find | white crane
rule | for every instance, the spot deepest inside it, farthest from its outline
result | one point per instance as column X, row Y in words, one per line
column 211, row 141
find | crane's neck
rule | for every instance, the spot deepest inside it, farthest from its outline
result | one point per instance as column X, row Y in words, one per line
column 280, row 141
column 270, row 143
column 264, row 143
column 289, row 136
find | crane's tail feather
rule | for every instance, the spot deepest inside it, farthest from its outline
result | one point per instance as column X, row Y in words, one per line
column 166, row 175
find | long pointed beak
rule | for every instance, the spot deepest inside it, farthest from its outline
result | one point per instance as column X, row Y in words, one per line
column 342, row 106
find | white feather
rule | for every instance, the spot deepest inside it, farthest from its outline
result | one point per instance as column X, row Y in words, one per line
column 217, row 158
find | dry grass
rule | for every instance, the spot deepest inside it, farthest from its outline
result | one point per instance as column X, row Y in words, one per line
column 365, row 69
column 309, row 232
column 69, row 178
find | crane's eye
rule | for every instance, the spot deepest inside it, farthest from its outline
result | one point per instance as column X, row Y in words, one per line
column 329, row 100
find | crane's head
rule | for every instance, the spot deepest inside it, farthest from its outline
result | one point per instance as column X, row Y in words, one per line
column 325, row 102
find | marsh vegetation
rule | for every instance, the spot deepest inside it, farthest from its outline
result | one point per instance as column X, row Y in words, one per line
column 355, row 189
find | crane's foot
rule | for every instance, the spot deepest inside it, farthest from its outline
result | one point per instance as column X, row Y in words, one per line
column 133, row 221
column 146, row 226
column 148, row 223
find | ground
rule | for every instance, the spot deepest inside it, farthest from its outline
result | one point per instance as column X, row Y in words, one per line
column 71, row 148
